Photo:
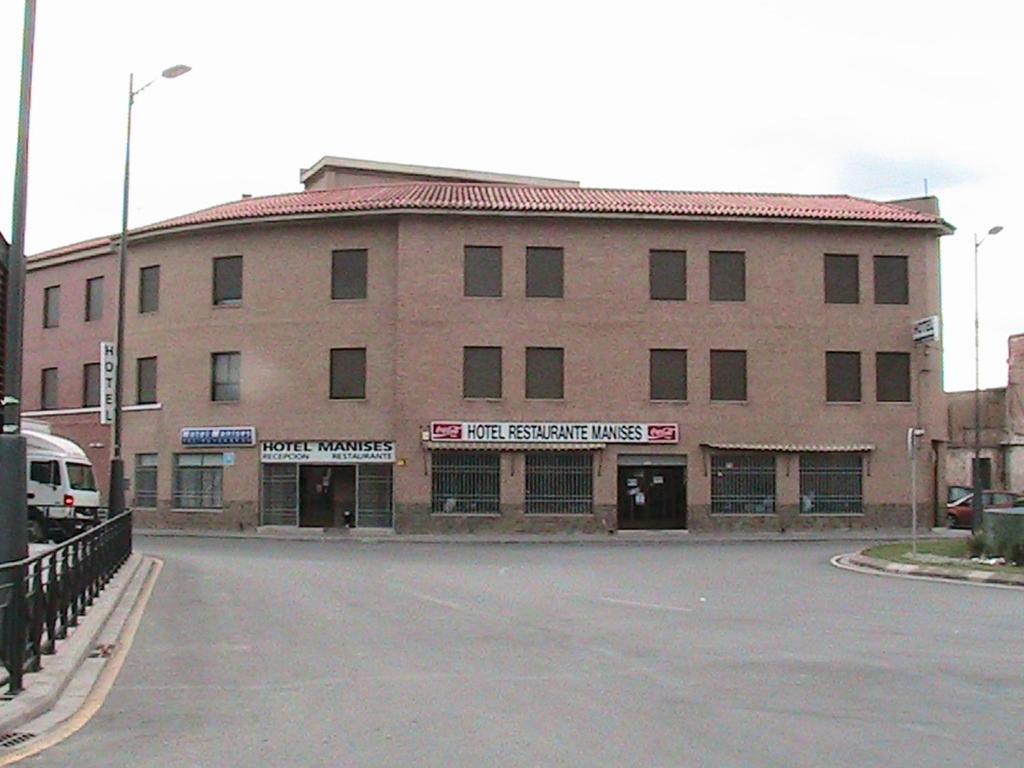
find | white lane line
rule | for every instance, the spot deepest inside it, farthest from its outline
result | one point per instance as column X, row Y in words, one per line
column 650, row 606
column 436, row 600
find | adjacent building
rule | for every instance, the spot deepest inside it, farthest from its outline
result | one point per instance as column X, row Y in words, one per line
column 430, row 349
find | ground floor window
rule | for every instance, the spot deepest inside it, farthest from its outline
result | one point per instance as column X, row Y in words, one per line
column 280, row 499
column 831, row 483
column 327, row 495
column 145, row 479
column 198, row 481
column 559, row 483
column 465, row 482
column 373, row 489
column 743, row 484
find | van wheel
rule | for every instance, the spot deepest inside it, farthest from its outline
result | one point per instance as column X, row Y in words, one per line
column 35, row 532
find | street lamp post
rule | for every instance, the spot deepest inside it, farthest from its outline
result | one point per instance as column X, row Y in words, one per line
column 116, row 459
column 977, row 505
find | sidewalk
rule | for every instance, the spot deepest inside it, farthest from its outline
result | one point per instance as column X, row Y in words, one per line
column 861, row 562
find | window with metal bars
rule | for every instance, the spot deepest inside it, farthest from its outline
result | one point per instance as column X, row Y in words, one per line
column 743, row 484
column 146, row 467
column 198, row 481
column 280, row 498
column 465, row 482
column 559, row 483
column 831, row 483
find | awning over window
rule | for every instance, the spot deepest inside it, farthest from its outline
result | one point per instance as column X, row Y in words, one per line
column 790, row 447
column 433, row 445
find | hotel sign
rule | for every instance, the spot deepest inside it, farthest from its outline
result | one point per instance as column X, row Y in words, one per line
column 552, row 432
column 327, row 451
column 927, row 329
column 108, row 381
column 200, row 437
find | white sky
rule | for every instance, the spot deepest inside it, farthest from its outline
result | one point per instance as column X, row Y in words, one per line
column 864, row 98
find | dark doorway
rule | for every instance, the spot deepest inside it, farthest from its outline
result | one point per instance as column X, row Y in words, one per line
column 327, row 496
column 652, row 497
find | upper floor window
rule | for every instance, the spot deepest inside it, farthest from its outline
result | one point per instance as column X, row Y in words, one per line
column 90, row 385
column 93, row 298
column 348, row 373
column 145, row 380
column 481, row 372
column 667, row 275
column 892, row 377
column 891, row 285
column 668, row 374
column 481, row 271
column 545, row 379
column 727, row 276
column 728, row 374
column 48, row 395
column 348, row 274
column 149, row 288
column 225, row 376
column 545, row 272
column 842, row 278
column 51, row 307
column 227, row 280
column 842, row 377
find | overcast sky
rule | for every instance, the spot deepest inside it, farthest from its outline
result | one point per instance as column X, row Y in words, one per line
column 866, row 98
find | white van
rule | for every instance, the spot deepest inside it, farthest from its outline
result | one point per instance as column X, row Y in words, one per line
column 63, row 498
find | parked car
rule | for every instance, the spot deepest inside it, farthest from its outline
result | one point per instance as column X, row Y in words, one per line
column 960, row 514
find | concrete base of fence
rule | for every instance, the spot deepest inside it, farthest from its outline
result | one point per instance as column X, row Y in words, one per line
column 44, row 688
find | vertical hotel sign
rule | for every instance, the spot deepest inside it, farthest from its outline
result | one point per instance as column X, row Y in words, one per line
column 108, row 381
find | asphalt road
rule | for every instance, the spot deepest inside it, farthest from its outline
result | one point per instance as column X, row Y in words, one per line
column 258, row 653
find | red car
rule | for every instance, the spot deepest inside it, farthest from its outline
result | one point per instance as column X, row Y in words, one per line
column 960, row 513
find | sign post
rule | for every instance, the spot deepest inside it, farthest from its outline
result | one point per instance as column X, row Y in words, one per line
column 914, row 434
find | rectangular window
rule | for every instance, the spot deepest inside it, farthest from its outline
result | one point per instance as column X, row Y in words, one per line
column 90, row 385
column 465, row 482
column 545, row 272
column 198, row 481
column 348, row 274
column 481, row 372
column 149, row 289
column 45, row 472
column 280, row 497
column 348, row 374
column 227, row 280
column 48, row 397
column 226, row 376
column 544, row 373
column 743, row 484
column 892, row 377
column 668, row 374
column 667, row 275
column 728, row 374
column 93, row 298
column 831, row 484
column 145, row 380
column 891, row 285
column 842, row 278
column 842, row 377
column 727, row 275
column 982, row 469
column 481, row 271
column 145, row 479
column 51, row 306
column 559, row 483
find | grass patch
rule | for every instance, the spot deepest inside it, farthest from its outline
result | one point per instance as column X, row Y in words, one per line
column 900, row 553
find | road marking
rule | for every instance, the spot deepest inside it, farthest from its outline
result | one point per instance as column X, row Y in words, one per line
column 650, row 606
column 98, row 695
column 437, row 601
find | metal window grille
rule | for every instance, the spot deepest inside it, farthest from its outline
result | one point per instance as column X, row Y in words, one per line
column 831, row 483
column 145, row 479
column 559, row 483
column 465, row 482
column 373, row 505
column 743, row 484
column 198, row 481
column 280, row 499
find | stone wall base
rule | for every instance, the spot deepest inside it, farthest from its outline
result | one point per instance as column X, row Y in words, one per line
column 235, row 516
column 789, row 518
column 417, row 518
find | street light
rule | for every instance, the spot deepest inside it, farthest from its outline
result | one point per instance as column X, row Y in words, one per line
column 116, row 459
column 976, row 501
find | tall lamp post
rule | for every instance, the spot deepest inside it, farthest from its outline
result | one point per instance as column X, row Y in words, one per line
column 977, row 505
column 116, row 459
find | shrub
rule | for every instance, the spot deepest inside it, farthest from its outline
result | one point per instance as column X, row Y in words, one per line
column 1017, row 553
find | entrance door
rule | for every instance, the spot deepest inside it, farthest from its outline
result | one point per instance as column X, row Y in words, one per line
column 652, row 497
column 327, row 495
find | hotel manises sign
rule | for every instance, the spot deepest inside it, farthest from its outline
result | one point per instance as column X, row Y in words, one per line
column 552, row 432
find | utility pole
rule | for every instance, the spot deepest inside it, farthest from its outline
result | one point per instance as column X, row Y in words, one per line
column 13, row 511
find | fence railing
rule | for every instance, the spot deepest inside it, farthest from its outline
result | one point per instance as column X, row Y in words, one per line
column 41, row 597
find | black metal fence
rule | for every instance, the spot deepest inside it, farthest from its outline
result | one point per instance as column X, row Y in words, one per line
column 42, row 596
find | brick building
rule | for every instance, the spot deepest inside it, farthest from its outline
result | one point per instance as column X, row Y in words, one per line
column 439, row 350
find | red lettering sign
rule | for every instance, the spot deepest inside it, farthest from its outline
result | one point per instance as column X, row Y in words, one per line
column 445, row 430
column 662, row 433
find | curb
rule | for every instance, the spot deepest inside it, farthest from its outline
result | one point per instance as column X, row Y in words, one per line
column 858, row 560
column 44, row 688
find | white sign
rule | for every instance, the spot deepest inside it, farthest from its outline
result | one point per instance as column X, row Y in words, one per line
column 241, row 437
column 327, row 451
column 108, row 381
column 927, row 329
column 551, row 432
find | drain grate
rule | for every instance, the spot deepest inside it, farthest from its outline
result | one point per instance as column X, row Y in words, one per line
column 8, row 740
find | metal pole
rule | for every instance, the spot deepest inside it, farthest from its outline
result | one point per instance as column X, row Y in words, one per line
column 116, row 458
column 976, row 500
column 13, row 509
column 913, row 489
